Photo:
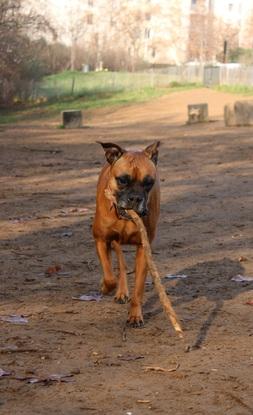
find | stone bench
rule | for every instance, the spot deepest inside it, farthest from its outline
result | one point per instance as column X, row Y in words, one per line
column 238, row 114
column 197, row 113
column 72, row 119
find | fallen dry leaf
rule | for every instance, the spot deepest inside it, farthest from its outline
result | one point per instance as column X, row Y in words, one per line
column 242, row 259
column 54, row 269
column 249, row 302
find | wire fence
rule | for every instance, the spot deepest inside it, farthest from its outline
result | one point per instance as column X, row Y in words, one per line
column 85, row 84
column 81, row 84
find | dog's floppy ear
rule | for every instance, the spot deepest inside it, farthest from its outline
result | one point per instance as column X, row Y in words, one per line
column 152, row 151
column 112, row 151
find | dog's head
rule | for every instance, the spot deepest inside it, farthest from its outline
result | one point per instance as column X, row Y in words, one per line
column 132, row 176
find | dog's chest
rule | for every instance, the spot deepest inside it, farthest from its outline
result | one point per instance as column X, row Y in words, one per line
column 125, row 232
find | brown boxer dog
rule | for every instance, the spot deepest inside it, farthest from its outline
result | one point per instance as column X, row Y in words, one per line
column 129, row 180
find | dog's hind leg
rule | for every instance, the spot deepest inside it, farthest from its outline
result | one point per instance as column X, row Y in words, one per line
column 122, row 294
column 109, row 282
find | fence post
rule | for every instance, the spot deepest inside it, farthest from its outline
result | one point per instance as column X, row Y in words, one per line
column 35, row 91
column 152, row 83
column 73, row 85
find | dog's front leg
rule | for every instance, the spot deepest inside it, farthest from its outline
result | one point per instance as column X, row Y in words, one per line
column 109, row 282
column 122, row 294
column 135, row 318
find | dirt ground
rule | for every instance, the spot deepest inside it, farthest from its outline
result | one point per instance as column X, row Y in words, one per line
column 48, row 184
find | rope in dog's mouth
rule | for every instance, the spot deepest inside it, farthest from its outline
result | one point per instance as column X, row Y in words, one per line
column 151, row 265
column 155, row 275
column 121, row 212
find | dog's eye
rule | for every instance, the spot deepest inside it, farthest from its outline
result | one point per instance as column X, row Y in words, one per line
column 123, row 180
column 148, row 182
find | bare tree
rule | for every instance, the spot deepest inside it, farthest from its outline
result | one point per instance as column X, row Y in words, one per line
column 146, row 31
column 200, row 32
column 17, row 24
column 247, row 33
column 130, row 24
column 76, row 27
column 167, row 40
column 209, row 36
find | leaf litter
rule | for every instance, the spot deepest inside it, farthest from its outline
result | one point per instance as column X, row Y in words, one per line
column 44, row 380
column 55, row 377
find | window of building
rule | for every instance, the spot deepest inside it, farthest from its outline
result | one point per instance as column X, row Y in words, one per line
column 147, row 16
column 210, row 5
column 153, row 52
column 193, row 3
column 90, row 3
column 230, row 7
column 147, row 33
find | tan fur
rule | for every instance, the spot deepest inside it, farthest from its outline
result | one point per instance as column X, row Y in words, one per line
column 110, row 232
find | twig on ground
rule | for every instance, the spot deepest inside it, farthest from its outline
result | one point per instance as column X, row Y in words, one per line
column 160, row 369
column 43, row 150
column 72, row 333
column 14, row 349
column 124, row 334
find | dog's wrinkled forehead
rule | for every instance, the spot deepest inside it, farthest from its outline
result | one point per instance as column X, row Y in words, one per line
column 135, row 164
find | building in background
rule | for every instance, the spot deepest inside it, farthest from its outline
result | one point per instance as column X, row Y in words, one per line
column 129, row 33
column 217, row 26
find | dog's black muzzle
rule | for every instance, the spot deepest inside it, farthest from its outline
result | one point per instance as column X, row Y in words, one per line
column 136, row 202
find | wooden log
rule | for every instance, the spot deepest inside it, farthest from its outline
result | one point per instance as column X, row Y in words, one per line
column 229, row 116
column 165, row 301
column 72, row 119
column 240, row 114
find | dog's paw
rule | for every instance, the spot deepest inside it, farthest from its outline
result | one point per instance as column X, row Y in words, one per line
column 121, row 298
column 107, row 286
column 135, row 321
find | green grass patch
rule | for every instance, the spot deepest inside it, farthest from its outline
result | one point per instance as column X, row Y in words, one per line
column 81, row 91
column 235, row 89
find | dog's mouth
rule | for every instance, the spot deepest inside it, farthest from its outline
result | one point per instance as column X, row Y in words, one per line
column 123, row 214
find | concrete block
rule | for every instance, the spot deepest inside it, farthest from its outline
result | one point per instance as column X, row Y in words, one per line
column 239, row 114
column 197, row 113
column 72, row 118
